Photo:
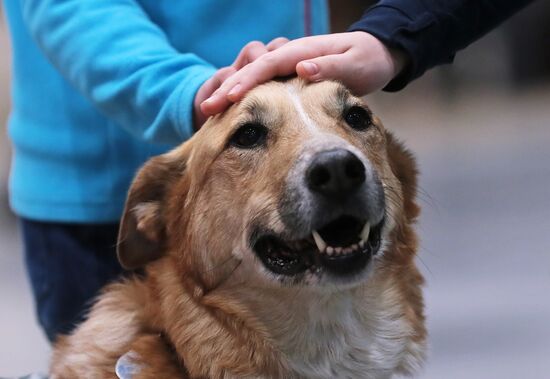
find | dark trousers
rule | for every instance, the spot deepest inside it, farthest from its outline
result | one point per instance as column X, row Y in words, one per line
column 67, row 265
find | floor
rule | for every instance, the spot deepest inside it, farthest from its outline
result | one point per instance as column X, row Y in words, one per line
column 485, row 229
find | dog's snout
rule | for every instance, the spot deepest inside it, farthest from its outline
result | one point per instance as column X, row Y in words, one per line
column 335, row 173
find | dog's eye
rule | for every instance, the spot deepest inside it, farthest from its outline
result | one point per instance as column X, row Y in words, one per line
column 249, row 136
column 358, row 118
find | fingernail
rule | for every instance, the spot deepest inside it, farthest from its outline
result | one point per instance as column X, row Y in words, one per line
column 310, row 68
column 207, row 101
column 235, row 90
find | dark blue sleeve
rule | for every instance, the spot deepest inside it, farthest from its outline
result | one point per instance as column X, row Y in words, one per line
column 430, row 32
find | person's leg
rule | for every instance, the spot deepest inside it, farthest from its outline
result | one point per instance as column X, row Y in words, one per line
column 67, row 265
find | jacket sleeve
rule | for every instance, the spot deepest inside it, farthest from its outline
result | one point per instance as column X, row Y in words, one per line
column 432, row 31
column 122, row 62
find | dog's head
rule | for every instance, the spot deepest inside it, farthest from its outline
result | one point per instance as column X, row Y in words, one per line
column 297, row 184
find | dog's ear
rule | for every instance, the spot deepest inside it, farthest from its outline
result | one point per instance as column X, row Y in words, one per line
column 403, row 166
column 142, row 233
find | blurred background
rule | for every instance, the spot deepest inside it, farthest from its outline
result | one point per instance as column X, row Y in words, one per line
column 481, row 132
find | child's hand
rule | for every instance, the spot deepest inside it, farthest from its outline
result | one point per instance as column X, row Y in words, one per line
column 357, row 59
column 206, row 90
column 252, row 51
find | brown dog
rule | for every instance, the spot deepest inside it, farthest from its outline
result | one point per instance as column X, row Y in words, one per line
column 277, row 243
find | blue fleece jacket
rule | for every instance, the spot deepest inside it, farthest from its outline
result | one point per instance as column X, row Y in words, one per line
column 99, row 86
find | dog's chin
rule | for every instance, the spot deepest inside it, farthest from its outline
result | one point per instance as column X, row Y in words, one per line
column 340, row 252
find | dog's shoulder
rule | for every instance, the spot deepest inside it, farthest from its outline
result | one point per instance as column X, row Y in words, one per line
column 113, row 323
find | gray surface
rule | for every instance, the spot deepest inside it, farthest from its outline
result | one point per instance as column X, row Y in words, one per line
column 23, row 348
column 486, row 246
column 485, row 228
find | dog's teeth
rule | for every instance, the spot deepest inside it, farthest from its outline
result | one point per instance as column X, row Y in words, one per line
column 362, row 243
column 321, row 244
column 365, row 232
column 354, row 247
column 338, row 250
column 330, row 250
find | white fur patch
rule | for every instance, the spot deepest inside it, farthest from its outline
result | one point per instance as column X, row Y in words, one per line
column 350, row 334
column 297, row 102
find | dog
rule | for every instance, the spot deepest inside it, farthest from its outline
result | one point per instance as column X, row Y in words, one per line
column 278, row 242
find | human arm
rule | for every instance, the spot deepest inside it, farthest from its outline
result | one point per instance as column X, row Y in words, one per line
column 122, row 62
column 402, row 39
column 430, row 32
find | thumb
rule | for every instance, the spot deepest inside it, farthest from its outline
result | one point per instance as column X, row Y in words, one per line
column 327, row 67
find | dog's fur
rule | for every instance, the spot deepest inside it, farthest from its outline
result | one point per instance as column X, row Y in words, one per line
column 206, row 307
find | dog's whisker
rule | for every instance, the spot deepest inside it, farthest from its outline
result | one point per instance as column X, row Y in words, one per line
column 425, row 197
column 419, row 258
column 229, row 274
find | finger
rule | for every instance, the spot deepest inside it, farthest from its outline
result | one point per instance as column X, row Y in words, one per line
column 215, row 104
column 249, row 53
column 254, row 49
column 276, row 43
column 279, row 62
column 207, row 89
column 212, row 84
column 328, row 67
column 266, row 67
column 354, row 74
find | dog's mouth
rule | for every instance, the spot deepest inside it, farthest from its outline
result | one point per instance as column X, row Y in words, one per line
column 342, row 247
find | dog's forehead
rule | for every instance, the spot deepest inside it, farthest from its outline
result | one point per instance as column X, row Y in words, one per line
column 294, row 98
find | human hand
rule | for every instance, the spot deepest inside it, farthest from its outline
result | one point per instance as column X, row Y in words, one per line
column 252, row 51
column 207, row 88
column 357, row 59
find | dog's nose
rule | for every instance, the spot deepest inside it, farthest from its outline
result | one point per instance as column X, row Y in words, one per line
column 335, row 173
